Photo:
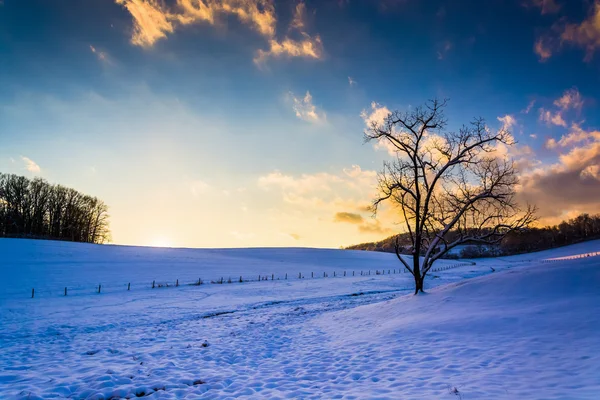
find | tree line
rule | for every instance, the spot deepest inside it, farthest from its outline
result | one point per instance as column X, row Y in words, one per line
column 34, row 208
column 581, row 228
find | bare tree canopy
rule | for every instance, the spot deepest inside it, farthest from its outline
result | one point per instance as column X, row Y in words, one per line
column 36, row 209
column 450, row 188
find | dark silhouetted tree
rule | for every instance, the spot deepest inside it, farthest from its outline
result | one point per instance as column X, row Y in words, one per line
column 450, row 188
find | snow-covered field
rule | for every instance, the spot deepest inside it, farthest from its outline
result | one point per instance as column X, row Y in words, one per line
column 529, row 330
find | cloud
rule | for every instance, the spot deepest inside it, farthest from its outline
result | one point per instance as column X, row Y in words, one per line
column 533, row 136
column 150, row 21
column 569, row 184
column 552, row 118
column 443, row 49
column 351, row 81
column 348, row 217
column 545, row 6
column 543, row 48
column 31, row 165
column 349, row 189
column 585, row 34
column 529, row 107
column 375, row 228
column 570, row 100
column 299, row 16
column 306, row 110
column 576, row 136
column 153, row 20
column 508, row 121
column 308, row 47
column 101, row 55
column 295, row 236
column 377, row 115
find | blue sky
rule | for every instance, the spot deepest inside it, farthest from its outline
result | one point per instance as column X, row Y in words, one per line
column 191, row 118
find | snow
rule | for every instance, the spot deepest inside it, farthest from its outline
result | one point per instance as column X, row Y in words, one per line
column 529, row 330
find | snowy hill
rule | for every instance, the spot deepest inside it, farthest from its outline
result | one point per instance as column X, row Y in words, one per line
column 529, row 330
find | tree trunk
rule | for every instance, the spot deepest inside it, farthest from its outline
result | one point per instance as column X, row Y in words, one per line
column 418, row 284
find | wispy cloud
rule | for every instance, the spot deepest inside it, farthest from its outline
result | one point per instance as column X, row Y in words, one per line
column 101, row 55
column 31, row 165
column 305, row 109
column 545, row 6
column 529, row 107
column 351, row 81
column 443, row 49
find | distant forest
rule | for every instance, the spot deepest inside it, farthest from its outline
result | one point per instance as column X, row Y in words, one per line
column 33, row 208
column 579, row 229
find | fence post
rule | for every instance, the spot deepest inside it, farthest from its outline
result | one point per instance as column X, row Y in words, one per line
column 334, row 274
column 241, row 280
column 129, row 286
column 312, row 274
column 344, row 273
column 99, row 288
column 299, row 275
column 177, row 283
column 286, row 275
column 153, row 284
column 32, row 292
column 352, row 273
column 272, row 277
column 65, row 290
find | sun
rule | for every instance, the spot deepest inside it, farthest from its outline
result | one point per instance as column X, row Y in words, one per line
column 161, row 242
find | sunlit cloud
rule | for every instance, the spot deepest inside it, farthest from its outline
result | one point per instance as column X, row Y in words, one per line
column 552, row 118
column 575, row 136
column 351, row 81
column 307, row 46
column 570, row 100
column 348, row 217
column 31, row 165
column 585, row 34
column 542, row 48
column 529, row 107
column 508, row 122
column 572, row 182
column 375, row 228
column 377, row 115
column 299, row 16
column 150, row 21
column 154, row 20
column 305, row 109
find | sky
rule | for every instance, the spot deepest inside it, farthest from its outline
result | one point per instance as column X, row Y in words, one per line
column 235, row 123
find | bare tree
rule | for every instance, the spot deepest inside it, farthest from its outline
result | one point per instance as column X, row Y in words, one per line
column 450, row 188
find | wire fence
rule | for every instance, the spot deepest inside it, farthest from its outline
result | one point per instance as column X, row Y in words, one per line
column 101, row 288
column 575, row 257
column 225, row 280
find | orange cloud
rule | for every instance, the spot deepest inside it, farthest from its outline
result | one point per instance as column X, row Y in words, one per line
column 351, row 218
column 153, row 21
